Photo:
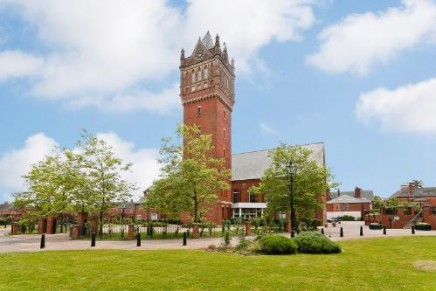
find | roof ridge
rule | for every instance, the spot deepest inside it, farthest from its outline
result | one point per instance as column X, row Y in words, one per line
column 297, row 145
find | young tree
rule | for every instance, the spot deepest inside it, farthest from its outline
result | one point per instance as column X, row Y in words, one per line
column 49, row 188
column 100, row 179
column 190, row 178
column 310, row 182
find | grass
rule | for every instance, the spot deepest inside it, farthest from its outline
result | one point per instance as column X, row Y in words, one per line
column 370, row 264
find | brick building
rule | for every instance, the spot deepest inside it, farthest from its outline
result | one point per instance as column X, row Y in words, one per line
column 351, row 203
column 207, row 91
column 417, row 204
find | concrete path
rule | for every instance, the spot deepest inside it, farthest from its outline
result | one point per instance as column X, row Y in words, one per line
column 31, row 243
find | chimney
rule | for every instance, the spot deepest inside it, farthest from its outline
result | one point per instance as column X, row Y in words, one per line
column 357, row 192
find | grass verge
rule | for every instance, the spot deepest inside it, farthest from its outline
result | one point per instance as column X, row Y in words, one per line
column 370, row 264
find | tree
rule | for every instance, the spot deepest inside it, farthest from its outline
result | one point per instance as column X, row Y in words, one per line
column 190, row 177
column 378, row 202
column 101, row 182
column 49, row 189
column 311, row 181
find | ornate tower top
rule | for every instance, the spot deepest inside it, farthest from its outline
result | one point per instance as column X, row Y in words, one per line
column 206, row 72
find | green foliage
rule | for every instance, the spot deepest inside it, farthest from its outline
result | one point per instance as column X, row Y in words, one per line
column 375, row 226
column 277, row 245
column 312, row 242
column 391, row 210
column 310, row 182
column 87, row 179
column 378, row 202
column 346, row 218
column 190, row 176
column 423, row 226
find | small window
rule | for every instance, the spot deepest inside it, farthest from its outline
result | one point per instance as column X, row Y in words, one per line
column 224, row 114
column 206, row 73
column 199, row 75
column 224, row 152
column 345, row 207
column 199, row 110
column 251, row 197
column 235, row 196
column 224, row 133
column 193, row 88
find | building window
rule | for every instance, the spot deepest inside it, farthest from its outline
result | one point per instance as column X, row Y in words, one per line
column 224, row 133
column 193, row 77
column 206, row 73
column 193, row 88
column 199, row 110
column 336, row 207
column 345, row 207
column 199, row 75
column 235, row 197
column 433, row 210
column 251, row 197
column 224, row 114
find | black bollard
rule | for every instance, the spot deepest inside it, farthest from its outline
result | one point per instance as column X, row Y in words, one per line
column 413, row 229
column 384, row 230
column 138, row 239
column 93, row 239
column 42, row 244
column 184, row 238
column 322, row 230
column 342, row 232
column 361, row 230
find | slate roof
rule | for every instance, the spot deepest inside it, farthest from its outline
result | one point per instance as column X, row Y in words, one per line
column 368, row 194
column 348, row 199
column 251, row 165
column 416, row 193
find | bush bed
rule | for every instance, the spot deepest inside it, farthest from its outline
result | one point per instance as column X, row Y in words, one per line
column 277, row 245
column 316, row 243
column 375, row 226
column 423, row 226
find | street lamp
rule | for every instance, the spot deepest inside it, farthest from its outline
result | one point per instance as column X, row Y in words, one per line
column 292, row 170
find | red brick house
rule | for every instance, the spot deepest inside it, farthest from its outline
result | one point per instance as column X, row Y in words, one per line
column 350, row 203
column 416, row 205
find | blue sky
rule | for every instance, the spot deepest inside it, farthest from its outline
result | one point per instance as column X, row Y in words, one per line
column 359, row 76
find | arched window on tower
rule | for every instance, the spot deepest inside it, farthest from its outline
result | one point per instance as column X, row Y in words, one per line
column 199, row 75
column 206, row 72
column 193, row 77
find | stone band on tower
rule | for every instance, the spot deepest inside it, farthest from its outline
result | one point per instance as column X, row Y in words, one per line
column 207, row 90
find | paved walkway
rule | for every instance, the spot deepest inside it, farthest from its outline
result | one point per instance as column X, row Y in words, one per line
column 31, row 243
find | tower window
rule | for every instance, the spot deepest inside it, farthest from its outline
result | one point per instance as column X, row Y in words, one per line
column 193, row 77
column 224, row 114
column 206, row 73
column 224, row 133
column 199, row 110
column 224, row 153
column 199, row 75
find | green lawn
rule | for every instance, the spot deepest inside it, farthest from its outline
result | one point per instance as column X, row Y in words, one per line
column 370, row 264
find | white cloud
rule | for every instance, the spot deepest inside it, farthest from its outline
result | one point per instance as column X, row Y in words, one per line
column 18, row 64
column 248, row 27
column 409, row 109
column 265, row 129
column 111, row 51
column 16, row 163
column 145, row 167
column 361, row 41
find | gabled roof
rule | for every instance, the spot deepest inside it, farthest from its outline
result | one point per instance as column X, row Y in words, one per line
column 348, row 199
column 252, row 165
column 416, row 193
column 368, row 194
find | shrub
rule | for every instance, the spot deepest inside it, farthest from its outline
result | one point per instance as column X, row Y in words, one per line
column 277, row 245
column 346, row 218
column 375, row 226
column 312, row 242
column 423, row 226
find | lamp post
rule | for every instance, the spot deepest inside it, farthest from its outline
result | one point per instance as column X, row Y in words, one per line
column 291, row 168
